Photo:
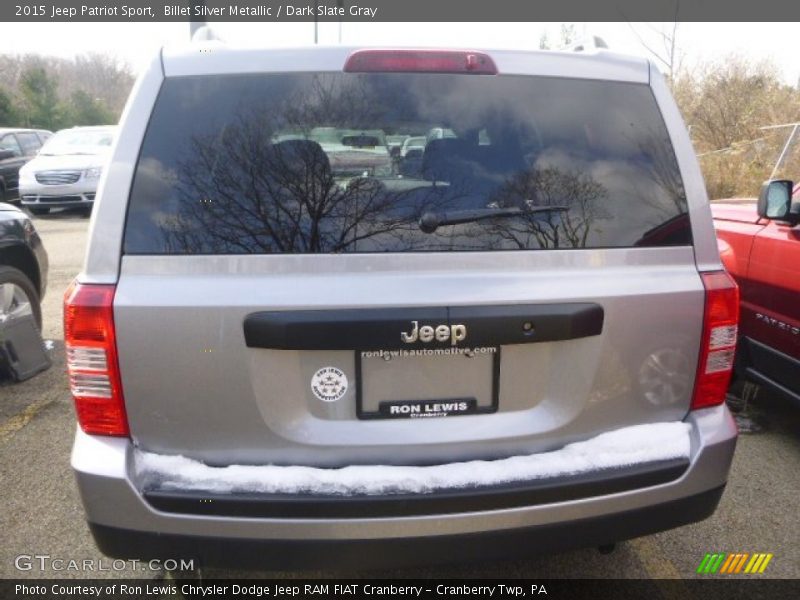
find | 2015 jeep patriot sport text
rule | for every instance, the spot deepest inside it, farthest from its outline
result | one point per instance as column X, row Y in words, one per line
column 292, row 345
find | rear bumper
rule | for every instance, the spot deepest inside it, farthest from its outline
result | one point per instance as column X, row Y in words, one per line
column 396, row 552
column 442, row 502
column 125, row 524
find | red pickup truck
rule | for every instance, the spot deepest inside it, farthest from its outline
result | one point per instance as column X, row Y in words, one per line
column 759, row 241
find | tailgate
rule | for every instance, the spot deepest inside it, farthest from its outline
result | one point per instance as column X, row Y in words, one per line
column 209, row 370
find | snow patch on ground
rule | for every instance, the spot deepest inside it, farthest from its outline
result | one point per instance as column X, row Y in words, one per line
column 615, row 449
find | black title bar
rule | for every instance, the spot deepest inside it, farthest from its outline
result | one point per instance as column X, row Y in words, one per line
column 443, row 589
column 393, row 10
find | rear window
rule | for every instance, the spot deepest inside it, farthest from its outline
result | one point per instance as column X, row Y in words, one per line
column 400, row 162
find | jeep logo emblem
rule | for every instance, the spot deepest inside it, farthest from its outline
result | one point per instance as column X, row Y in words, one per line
column 427, row 333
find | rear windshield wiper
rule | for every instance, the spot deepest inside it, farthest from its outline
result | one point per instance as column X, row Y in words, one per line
column 430, row 221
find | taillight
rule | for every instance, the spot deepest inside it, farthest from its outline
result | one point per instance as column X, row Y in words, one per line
column 92, row 363
column 420, row 61
column 720, row 323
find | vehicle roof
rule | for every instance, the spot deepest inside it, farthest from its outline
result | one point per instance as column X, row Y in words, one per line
column 214, row 57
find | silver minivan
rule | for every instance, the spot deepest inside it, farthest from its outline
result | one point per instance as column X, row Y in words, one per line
column 289, row 353
column 65, row 172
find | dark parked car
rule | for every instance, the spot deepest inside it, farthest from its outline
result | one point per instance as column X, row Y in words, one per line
column 23, row 267
column 17, row 146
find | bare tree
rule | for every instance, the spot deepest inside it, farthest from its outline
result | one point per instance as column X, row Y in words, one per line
column 102, row 80
column 666, row 51
column 727, row 104
column 549, row 187
column 568, row 34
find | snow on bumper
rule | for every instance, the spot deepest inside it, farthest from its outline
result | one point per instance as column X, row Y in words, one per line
column 629, row 446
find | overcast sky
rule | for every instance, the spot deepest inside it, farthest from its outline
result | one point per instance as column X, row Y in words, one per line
column 137, row 42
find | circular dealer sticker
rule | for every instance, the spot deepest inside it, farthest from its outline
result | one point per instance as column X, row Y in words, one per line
column 329, row 384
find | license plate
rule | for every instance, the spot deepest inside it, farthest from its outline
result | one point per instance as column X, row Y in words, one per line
column 423, row 384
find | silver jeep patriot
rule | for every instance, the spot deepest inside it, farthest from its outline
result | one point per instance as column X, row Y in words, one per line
column 299, row 341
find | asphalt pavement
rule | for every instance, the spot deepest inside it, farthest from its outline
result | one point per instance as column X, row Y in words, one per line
column 42, row 513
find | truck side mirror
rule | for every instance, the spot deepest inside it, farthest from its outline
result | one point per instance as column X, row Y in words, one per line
column 775, row 199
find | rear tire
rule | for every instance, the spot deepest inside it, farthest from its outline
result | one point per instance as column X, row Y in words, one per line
column 39, row 211
column 15, row 290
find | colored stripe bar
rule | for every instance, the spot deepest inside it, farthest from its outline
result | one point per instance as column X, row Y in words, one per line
column 751, row 564
column 764, row 564
column 734, row 562
column 758, row 562
column 731, row 559
column 716, row 561
column 703, row 568
column 741, row 562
